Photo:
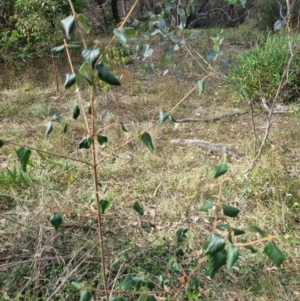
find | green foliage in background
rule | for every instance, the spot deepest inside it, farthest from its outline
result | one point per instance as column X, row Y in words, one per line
column 23, row 24
column 259, row 69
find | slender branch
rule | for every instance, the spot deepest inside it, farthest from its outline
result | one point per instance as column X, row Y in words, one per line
column 48, row 153
column 78, row 90
column 154, row 124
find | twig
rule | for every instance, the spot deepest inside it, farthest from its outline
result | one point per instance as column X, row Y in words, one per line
column 214, row 146
column 211, row 119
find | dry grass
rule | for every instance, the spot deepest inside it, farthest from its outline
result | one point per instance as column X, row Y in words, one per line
column 170, row 184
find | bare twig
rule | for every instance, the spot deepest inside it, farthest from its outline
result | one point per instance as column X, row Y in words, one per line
column 214, row 146
column 211, row 119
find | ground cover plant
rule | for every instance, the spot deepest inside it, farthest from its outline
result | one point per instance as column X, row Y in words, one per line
column 140, row 222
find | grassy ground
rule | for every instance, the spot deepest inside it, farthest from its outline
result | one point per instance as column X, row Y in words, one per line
column 38, row 263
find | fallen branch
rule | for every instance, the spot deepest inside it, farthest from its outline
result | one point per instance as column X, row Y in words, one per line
column 214, row 146
column 213, row 119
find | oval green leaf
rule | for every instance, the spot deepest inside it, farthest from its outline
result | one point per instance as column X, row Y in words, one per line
column 124, row 33
column 271, row 250
column 68, row 25
column 101, row 139
column 238, row 232
column 83, row 23
column 85, row 71
column 216, row 244
column 58, row 49
column 57, row 117
column 208, row 205
column 230, row 211
column 91, row 55
column 232, row 255
column 106, row 76
column 146, row 139
column 1, row 143
column 219, row 170
column 85, row 295
column 23, row 155
column 163, row 116
column 223, row 227
column 56, row 220
column 74, row 47
column 103, row 205
column 70, row 80
column 49, row 128
column 127, row 283
column 201, row 86
column 85, row 142
column 75, row 111
column 216, row 261
column 138, row 208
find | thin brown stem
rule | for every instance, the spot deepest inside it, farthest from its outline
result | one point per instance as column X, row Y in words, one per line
column 48, row 153
column 154, row 124
column 78, row 91
column 96, row 187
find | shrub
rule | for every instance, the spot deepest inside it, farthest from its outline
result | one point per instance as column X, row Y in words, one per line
column 258, row 70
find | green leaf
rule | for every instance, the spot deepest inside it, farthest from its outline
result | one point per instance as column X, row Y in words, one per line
column 49, row 128
column 216, row 261
column 101, row 139
column 85, row 142
column 216, row 47
column 127, row 283
column 65, row 128
column 274, row 253
column 216, row 244
column 85, row 295
column 204, row 245
column 75, row 111
column 277, row 25
column 112, row 159
column 163, row 116
column 77, row 285
column 103, row 205
column 230, row 211
column 23, row 155
column 201, row 86
column 238, row 232
column 58, row 49
column 194, row 284
column 1, row 143
column 223, row 227
column 124, row 256
column 83, row 23
column 74, row 47
column 224, row 65
column 56, row 220
column 68, row 25
column 91, row 55
column 255, row 229
column 146, row 139
column 174, row 38
column 70, row 80
column 123, row 127
column 124, row 33
column 106, row 76
column 57, row 117
column 181, row 235
column 208, row 205
column 291, row 238
column 151, row 298
column 138, row 208
column 232, row 255
column 219, row 170
column 85, row 71
column 116, row 298
column 142, row 297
